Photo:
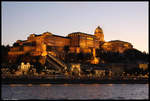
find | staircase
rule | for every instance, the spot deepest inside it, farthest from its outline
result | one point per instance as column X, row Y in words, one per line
column 57, row 63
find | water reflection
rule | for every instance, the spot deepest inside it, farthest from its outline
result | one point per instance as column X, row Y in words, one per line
column 110, row 84
column 82, row 84
column 75, row 91
column 29, row 85
column 66, row 84
column 14, row 85
column 46, row 85
column 95, row 85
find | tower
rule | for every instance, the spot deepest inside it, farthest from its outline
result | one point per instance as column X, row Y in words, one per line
column 99, row 34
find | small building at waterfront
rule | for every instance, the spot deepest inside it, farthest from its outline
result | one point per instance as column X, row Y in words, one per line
column 102, row 72
column 75, row 69
column 143, row 66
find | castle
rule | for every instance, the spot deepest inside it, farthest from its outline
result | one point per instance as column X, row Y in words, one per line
column 40, row 45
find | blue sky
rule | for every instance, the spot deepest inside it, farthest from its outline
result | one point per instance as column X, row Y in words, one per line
column 126, row 21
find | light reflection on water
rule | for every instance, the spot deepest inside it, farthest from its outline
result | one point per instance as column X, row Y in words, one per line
column 29, row 85
column 45, row 85
column 109, row 84
column 75, row 91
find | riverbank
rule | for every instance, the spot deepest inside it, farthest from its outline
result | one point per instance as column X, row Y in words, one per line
column 71, row 81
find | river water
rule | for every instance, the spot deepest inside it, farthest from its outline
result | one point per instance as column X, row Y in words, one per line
column 74, row 91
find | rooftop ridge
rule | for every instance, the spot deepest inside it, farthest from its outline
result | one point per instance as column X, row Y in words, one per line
column 80, row 33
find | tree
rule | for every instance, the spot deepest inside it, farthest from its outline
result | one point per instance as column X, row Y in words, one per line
column 72, row 57
column 4, row 53
column 134, row 55
column 15, row 44
column 66, row 50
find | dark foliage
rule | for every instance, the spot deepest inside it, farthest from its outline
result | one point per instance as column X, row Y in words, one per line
column 4, row 53
column 79, row 57
column 128, row 56
column 135, row 55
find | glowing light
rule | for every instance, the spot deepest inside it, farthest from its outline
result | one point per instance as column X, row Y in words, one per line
column 95, row 61
column 89, row 38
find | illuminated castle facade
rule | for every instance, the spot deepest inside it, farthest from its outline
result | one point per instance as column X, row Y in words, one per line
column 40, row 45
column 77, row 42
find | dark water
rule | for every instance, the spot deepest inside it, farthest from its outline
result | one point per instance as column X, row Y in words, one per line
column 75, row 91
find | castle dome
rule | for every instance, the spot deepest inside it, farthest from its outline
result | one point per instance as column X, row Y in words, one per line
column 98, row 30
column 99, row 33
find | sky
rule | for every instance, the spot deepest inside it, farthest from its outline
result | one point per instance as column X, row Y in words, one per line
column 126, row 21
